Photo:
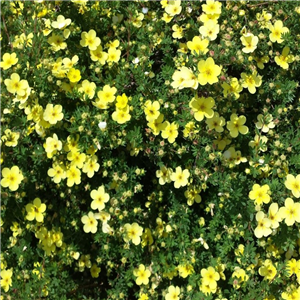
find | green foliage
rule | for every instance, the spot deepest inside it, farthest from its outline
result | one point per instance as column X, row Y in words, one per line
column 124, row 144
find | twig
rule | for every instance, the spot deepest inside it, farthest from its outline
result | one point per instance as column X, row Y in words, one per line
column 6, row 31
column 259, row 4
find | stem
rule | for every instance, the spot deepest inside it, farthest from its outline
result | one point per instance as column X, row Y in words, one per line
column 259, row 4
column 6, row 31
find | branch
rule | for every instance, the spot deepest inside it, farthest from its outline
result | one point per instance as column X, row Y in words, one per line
column 6, row 31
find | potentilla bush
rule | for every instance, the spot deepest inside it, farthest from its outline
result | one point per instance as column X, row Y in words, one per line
column 150, row 150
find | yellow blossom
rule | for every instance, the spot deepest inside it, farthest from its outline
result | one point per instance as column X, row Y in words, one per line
column 90, row 223
column 276, row 32
column 293, row 184
column 99, row 198
column 198, row 45
column 249, row 42
column 142, row 275
column 89, row 39
column 11, row 178
column 284, row 59
column 8, row 60
column 251, row 81
column 35, row 210
column 236, row 125
column 180, row 177
column 202, row 107
column 170, row 131
column 208, row 71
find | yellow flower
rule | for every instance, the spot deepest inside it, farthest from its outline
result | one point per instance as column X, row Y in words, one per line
column 260, row 194
column 274, row 216
column 137, row 20
column 293, row 267
column 57, row 42
column 197, row 45
column 99, row 55
column 173, row 293
column 180, row 177
column 264, row 123
column 113, row 55
column 192, row 195
column 267, row 270
column 6, row 281
column 90, row 223
column 209, row 72
column 88, row 88
column 8, row 60
column 249, row 42
column 16, row 86
column 212, row 7
column 259, row 141
column 10, row 138
column 173, row 8
column 143, row 297
column 73, row 175
column 233, row 88
column 95, row 270
column 290, row 212
column 216, row 123
column 210, row 29
column 251, row 81
column 58, row 172
column 53, row 114
column 11, row 178
column 236, row 125
column 133, row 233
column 185, row 270
column 147, row 238
column 61, row 22
column 184, row 78
column 151, row 110
column 121, row 116
column 100, row 198
column 284, row 59
column 89, row 39
column 107, row 95
column 210, row 277
column 261, row 61
column 170, row 131
column 91, row 166
column 157, row 124
column 77, row 159
column 122, row 101
column 142, row 275
column 276, row 32
column 263, row 225
column 293, row 184
column 52, row 145
column 164, row 175
column 202, row 107
column 74, row 75
column 35, row 210
column 178, row 32
column 241, row 275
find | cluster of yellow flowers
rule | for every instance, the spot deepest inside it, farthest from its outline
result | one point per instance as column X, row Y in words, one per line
column 199, row 70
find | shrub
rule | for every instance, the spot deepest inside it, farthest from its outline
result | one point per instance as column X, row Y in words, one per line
column 150, row 150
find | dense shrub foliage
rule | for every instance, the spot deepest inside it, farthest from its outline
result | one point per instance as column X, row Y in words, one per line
column 150, row 150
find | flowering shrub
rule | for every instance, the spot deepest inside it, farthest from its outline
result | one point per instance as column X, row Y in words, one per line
column 150, row 150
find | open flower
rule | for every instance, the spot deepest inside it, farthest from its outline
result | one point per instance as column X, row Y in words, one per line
column 236, row 125
column 208, row 71
column 35, row 210
column 249, row 42
column 293, row 184
column 90, row 223
column 11, row 178
column 202, row 107
column 290, row 212
column 142, row 275
column 180, row 177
